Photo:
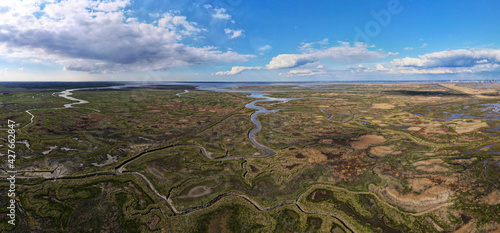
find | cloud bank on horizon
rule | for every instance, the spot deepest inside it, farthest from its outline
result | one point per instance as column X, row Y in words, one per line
column 237, row 40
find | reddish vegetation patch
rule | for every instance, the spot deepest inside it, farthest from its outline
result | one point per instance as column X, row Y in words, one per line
column 152, row 225
column 388, row 169
column 348, row 170
column 218, row 224
column 254, row 169
column 320, row 195
column 315, row 221
column 300, row 156
column 99, row 116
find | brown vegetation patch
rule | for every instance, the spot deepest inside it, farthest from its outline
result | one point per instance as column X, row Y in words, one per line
column 326, row 141
column 497, row 230
column 417, row 185
column 388, row 169
column 471, row 91
column 383, row 106
column 313, row 155
column 429, row 199
column 430, row 165
column 467, row 127
column 430, row 128
column 290, row 167
column 414, row 128
column 365, row 141
column 333, row 153
column 138, row 147
column 428, row 162
column 382, row 151
column 492, row 199
column 467, row 228
column 433, row 168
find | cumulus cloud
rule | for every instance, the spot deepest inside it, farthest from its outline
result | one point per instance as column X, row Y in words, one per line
column 344, row 53
column 237, row 69
column 99, row 36
column 233, row 33
column 448, row 62
column 290, row 61
column 380, row 67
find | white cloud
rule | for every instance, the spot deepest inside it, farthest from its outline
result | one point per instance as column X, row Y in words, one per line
column 264, row 48
column 233, row 33
column 360, row 68
column 179, row 24
column 290, row 61
column 421, row 46
column 380, row 67
column 98, row 36
column 308, row 46
column 218, row 13
column 303, row 73
column 343, row 53
column 449, row 62
column 109, row 6
column 237, row 69
column 21, row 69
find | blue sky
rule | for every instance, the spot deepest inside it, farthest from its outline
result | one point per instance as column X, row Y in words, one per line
column 243, row 40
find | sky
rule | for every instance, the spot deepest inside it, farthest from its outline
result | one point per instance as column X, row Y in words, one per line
column 249, row 40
